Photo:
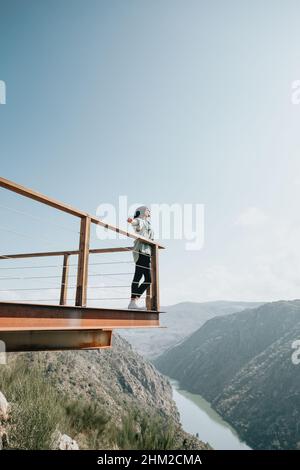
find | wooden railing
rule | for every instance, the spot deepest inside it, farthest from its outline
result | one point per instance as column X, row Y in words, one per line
column 84, row 250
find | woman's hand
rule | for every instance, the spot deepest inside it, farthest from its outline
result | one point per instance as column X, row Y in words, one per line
column 129, row 220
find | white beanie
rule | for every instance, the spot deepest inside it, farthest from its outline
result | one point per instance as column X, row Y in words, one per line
column 140, row 211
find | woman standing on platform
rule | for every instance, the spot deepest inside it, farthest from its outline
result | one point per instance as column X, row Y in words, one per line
column 141, row 254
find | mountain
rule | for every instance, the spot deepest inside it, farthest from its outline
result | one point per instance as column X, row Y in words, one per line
column 178, row 322
column 241, row 363
column 104, row 399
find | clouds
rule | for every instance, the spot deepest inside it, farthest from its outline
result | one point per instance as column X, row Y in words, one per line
column 264, row 266
column 251, row 217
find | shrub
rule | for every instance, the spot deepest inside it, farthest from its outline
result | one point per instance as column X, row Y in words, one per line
column 36, row 410
column 141, row 431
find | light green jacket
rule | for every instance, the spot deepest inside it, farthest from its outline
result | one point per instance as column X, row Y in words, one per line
column 143, row 228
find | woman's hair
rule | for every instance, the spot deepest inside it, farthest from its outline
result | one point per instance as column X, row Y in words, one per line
column 140, row 211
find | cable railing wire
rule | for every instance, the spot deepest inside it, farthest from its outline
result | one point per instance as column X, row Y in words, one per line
column 54, row 300
column 91, row 274
column 72, row 275
column 58, row 288
column 25, row 235
column 5, row 257
column 40, row 219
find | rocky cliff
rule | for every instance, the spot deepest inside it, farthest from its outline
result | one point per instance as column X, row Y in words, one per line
column 114, row 391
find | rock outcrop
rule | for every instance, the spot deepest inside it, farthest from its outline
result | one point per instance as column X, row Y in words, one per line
column 64, row 442
column 4, row 407
column 4, row 416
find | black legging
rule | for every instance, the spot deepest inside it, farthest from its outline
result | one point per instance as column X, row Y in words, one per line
column 142, row 268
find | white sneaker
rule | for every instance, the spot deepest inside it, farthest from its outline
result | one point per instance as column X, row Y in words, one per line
column 133, row 305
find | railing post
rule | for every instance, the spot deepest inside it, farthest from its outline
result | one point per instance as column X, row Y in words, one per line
column 155, row 305
column 64, row 281
column 83, row 259
column 148, row 298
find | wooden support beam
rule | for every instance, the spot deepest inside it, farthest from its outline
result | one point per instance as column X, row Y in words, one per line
column 36, row 196
column 155, row 301
column 48, row 340
column 16, row 316
column 148, row 298
column 113, row 228
column 62, row 253
column 17, row 188
column 83, row 260
column 64, row 281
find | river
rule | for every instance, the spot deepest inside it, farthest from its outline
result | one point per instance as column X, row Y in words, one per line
column 198, row 417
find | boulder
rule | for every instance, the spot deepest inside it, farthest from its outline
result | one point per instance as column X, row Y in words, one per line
column 65, row 442
column 4, row 407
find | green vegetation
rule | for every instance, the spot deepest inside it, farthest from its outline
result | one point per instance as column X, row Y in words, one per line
column 38, row 409
column 88, row 419
column 139, row 431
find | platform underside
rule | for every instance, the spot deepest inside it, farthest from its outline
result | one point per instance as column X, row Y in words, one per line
column 54, row 340
column 33, row 327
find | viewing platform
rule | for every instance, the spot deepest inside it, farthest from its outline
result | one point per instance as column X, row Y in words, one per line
column 27, row 325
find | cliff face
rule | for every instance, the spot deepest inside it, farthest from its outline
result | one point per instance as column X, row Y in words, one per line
column 117, row 380
column 115, row 377
column 242, row 364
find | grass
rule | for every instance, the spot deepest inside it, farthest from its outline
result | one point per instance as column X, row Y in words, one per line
column 139, row 430
column 38, row 410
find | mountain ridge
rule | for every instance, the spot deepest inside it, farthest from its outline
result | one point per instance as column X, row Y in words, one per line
column 241, row 363
column 180, row 321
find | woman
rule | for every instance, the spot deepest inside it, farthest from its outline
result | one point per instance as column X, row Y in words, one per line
column 141, row 254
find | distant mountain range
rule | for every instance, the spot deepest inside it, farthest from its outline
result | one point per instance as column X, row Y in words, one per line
column 241, row 363
column 178, row 322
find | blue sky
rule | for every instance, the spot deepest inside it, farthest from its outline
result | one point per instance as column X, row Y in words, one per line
column 165, row 102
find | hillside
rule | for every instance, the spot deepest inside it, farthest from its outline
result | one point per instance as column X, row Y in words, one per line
column 119, row 398
column 179, row 321
column 241, row 363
